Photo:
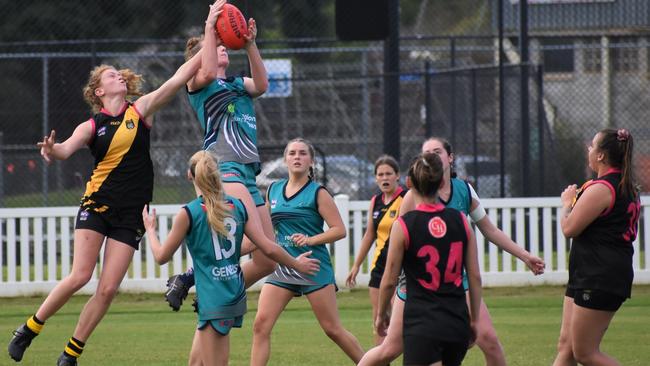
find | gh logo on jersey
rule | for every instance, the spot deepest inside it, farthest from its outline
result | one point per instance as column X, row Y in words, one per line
column 437, row 227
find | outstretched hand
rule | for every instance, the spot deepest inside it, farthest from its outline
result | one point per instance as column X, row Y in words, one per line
column 351, row 281
column 47, row 145
column 536, row 264
column 252, row 32
column 213, row 14
column 307, row 265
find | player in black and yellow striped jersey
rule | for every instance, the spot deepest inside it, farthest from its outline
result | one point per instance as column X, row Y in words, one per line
column 384, row 210
column 111, row 208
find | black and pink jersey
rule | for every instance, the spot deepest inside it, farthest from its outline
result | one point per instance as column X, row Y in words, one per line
column 434, row 259
column 601, row 256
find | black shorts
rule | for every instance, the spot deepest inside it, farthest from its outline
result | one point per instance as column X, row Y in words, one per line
column 121, row 224
column 595, row 299
column 375, row 277
column 422, row 350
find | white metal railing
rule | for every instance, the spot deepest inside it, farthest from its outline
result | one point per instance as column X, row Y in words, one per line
column 36, row 247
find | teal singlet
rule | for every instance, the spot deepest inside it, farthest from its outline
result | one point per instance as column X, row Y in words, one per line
column 219, row 279
column 298, row 214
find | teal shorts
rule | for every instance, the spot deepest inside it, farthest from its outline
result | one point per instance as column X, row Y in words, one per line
column 234, row 172
column 299, row 290
column 222, row 326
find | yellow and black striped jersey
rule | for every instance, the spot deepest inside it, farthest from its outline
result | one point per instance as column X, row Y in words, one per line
column 123, row 173
column 383, row 216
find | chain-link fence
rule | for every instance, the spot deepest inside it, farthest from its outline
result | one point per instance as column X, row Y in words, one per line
column 332, row 93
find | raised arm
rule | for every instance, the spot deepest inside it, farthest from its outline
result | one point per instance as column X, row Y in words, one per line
column 259, row 83
column 389, row 279
column 148, row 104
column 61, row 151
column 163, row 253
column 209, row 60
column 330, row 213
column 366, row 242
column 503, row 241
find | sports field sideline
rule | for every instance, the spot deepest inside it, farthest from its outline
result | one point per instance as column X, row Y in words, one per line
column 142, row 330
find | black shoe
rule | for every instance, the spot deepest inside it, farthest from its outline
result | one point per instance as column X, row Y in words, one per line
column 65, row 360
column 177, row 291
column 22, row 339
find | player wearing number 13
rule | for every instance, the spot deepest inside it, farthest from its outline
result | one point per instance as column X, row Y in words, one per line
column 214, row 225
column 433, row 244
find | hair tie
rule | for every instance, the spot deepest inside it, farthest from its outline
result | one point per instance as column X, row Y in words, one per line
column 622, row 134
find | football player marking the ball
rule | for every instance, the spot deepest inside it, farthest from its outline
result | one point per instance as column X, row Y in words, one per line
column 224, row 107
column 213, row 226
column 121, row 183
column 435, row 246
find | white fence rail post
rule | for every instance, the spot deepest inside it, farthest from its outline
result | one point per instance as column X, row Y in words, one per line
column 342, row 246
column 33, row 238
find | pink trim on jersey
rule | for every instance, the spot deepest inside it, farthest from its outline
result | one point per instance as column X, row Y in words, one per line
column 144, row 121
column 612, row 190
column 430, row 207
column 397, row 192
column 407, row 237
column 124, row 107
column 92, row 135
column 610, row 171
column 467, row 229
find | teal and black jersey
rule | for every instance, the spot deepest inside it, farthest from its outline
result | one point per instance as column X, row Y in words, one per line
column 298, row 214
column 219, row 279
column 226, row 113
column 460, row 197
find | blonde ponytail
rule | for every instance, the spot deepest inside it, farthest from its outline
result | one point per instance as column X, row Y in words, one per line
column 204, row 169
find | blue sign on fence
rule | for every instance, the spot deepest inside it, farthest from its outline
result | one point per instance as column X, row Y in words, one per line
column 279, row 72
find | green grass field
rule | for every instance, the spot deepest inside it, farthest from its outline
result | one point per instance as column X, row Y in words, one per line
column 142, row 330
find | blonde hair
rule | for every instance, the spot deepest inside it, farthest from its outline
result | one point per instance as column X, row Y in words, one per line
column 192, row 47
column 133, row 83
column 205, row 171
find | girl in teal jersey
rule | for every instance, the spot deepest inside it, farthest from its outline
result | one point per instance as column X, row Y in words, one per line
column 299, row 207
column 213, row 226
column 457, row 194
column 224, row 108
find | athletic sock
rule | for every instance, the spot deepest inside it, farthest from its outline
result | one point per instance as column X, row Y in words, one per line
column 34, row 324
column 74, row 348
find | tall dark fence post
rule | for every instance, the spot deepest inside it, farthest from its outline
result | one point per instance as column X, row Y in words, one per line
column 391, row 83
column 541, row 125
column 502, row 119
column 524, row 99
